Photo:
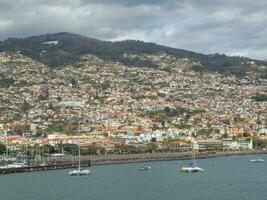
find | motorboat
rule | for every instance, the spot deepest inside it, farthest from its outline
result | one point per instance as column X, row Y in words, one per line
column 145, row 168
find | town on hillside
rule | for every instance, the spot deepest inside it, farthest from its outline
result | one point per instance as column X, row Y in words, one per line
column 110, row 108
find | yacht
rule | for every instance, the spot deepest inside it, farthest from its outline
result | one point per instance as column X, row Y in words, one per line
column 14, row 165
column 192, row 167
column 257, row 160
column 79, row 171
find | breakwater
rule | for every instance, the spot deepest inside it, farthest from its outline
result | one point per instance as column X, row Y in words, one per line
column 131, row 158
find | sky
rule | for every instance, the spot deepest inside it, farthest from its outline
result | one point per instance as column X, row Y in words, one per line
column 233, row 27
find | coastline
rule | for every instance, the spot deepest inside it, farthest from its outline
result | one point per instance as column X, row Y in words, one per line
column 88, row 161
column 135, row 158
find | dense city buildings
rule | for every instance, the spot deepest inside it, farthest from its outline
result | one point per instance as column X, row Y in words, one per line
column 95, row 101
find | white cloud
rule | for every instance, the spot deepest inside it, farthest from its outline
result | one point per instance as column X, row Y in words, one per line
column 207, row 26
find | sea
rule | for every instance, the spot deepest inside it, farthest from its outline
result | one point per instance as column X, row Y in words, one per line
column 225, row 178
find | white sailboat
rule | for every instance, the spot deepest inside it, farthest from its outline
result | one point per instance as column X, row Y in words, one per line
column 7, row 158
column 145, row 168
column 193, row 166
column 79, row 171
column 257, row 159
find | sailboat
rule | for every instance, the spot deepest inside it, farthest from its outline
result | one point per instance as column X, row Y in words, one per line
column 145, row 168
column 79, row 171
column 192, row 167
column 257, row 159
column 7, row 158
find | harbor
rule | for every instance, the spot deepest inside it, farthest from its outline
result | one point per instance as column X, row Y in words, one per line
column 69, row 162
column 232, row 177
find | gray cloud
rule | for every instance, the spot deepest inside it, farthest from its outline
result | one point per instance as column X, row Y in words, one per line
column 233, row 27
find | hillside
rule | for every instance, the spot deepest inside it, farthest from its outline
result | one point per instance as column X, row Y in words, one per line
column 61, row 49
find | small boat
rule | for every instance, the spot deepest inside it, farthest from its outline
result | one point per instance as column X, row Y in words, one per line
column 9, row 159
column 79, row 171
column 15, row 165
column 43, row 164
column 192, row 167
column 257, row 160
column 145, row 168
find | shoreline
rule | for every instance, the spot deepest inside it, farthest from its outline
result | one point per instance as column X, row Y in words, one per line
column 138, row 158
column 88, row 161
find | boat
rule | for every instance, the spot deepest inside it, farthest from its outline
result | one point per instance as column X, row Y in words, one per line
column 9, row 159
column 79, row 171
column 145, row 168
column 257, row 160
column 192, row 167
column 14, row 165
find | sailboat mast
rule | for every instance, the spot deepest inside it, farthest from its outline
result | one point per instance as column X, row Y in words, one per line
column 6, row 146
column 79, row 166
column 194, row 162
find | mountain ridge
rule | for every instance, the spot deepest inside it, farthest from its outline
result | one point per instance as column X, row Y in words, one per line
column 71, row 46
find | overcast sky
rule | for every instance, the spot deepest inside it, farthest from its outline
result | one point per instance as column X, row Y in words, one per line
column 236, row 27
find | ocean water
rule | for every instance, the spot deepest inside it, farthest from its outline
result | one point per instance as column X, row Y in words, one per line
column 226, row 178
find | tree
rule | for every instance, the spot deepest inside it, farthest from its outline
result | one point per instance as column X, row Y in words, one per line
column 25, row 106
column 2, row 148
column 73, row 82
column 59, row 98
column 49, row 148
column 260, row 97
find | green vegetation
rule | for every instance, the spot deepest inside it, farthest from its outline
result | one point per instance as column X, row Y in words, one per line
column 260, row 143
column 165, row 114
column 63, row 127
column 49, row 148
column 5, row 82
column 70, row 47
column 205, row 132
column 44, row 96
column 21, row 128
column 71, row 149
column 2, row 148
column 260, row 97
column 25, row 106
column 227, row 65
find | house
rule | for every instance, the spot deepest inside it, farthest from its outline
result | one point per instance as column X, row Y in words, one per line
column 180, row 146
column 229, row 144
column 209, row 145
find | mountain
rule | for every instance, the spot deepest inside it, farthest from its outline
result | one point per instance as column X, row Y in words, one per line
column 60, row 49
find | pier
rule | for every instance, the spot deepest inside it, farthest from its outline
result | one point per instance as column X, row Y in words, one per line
column 51, row 166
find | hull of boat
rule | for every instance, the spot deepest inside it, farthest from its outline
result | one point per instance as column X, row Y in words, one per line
column 79, row 172
column 257, row 160
column 191, row 169
column 145, row 168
